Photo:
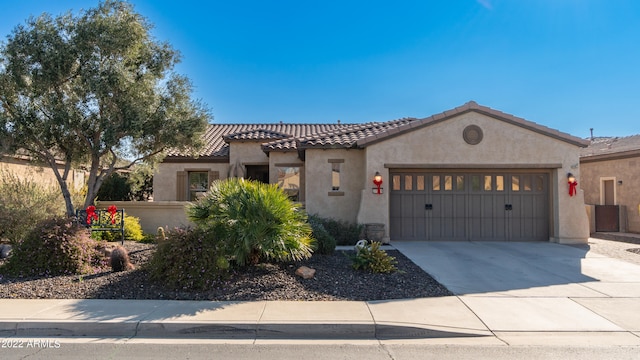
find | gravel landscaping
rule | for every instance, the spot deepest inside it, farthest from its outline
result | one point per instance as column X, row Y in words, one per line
column 334, row 280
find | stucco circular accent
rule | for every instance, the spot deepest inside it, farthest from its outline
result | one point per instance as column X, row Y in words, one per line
column 472, row 134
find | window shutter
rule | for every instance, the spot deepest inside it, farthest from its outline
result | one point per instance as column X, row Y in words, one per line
column 181, row 186
column 213, row 176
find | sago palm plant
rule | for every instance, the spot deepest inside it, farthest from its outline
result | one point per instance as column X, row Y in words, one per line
column 255, row 221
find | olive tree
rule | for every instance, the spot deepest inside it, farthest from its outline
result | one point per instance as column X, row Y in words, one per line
column 94, row 90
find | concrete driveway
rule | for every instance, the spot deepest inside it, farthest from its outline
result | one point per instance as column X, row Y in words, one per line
column 538, row 292
column 524, row 269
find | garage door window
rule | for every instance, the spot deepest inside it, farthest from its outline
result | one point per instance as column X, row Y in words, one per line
column 396, row 182
column 488, row 183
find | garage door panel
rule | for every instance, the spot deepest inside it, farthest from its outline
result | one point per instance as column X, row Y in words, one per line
column 470, row 206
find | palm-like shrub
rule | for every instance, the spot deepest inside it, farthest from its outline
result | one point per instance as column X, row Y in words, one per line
column 255, row 221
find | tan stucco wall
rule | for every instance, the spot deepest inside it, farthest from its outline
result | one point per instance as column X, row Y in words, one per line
column 627, row 194
column 290, row 158
column 247, row 153
column 165, row 175
column 503, row 146
column 320, row 199
column 154, row 214
column 41, row 174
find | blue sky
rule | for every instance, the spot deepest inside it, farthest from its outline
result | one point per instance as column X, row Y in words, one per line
column 567, row 64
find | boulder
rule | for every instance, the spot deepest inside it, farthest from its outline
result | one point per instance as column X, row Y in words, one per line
column 5, row 251
column 306, row 272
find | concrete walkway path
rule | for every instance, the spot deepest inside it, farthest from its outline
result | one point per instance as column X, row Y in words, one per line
column 506, row 294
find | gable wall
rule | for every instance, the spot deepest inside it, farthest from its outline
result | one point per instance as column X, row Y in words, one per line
column 503, row 145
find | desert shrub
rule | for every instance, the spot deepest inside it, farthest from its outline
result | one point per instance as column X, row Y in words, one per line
column 126, row 186
column 373, row 259
column 24, row 203
column 255, row 221
column 115, row 188
column 56, row 246
column 132, row 230
column 189, row 259
column 344, row 232
column 325, row 243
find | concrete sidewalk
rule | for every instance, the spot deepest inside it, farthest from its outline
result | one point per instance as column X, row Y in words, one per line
column 506, row 294
column 478, row 320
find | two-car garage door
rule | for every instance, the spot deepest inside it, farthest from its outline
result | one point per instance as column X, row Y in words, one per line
column 469, row 205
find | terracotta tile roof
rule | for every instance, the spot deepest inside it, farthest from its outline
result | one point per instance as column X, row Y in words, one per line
column 290, row 137
column 255, row 134
column 351, row 137
column 601, row 148
column 217, row 147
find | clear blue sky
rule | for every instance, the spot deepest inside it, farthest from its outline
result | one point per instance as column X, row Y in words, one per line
column 567, row 64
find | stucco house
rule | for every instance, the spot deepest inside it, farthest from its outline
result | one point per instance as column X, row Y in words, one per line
column 23, row 167
column 469, row 173
column 610, row 167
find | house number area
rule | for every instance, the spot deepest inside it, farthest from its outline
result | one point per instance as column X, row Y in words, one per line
column 30, row 343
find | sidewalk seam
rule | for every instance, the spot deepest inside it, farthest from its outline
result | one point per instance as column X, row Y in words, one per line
column 482, row 321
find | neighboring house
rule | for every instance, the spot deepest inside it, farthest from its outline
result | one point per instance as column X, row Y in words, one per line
column 23, row 167
column 470, row 173
column 610, row 168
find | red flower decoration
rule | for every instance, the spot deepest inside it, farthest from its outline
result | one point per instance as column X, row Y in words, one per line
column 112, row 210
column 572, row 188
column 91, row 214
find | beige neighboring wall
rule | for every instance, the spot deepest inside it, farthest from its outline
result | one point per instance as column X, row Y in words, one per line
column 24, row 168
column 624, row 173
column 320, row 199
column 503, row 146
column 165, row 176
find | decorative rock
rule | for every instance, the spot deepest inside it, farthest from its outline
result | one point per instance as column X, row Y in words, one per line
column 306, row 272
column 5, row 251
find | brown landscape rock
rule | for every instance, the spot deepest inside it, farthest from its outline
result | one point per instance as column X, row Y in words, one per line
column 305, row 272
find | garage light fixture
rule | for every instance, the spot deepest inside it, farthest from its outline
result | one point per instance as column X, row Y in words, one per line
column 571, row 180
column 377, row 181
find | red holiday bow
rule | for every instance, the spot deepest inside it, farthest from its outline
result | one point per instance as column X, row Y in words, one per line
column 112, row 210
column 572, row 188
column 91, row 214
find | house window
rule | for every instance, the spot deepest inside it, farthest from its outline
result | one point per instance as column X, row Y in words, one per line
column 335, row 176
column 289, row 181
column 198, row 184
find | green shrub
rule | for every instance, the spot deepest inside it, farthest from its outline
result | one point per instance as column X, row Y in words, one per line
column 189, row 259
column 55, row 247
column 373, row 259
column 344, row 232
column 325, row 243
column 255, row 221
column 24, row 203
column 132, row 230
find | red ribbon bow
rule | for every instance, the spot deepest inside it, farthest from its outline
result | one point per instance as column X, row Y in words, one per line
column 572, row 188
column 91, row 214
column 112, row 210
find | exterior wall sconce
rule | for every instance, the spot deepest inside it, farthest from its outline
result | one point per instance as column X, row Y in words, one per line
column 571, row 180
column 377, row 181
